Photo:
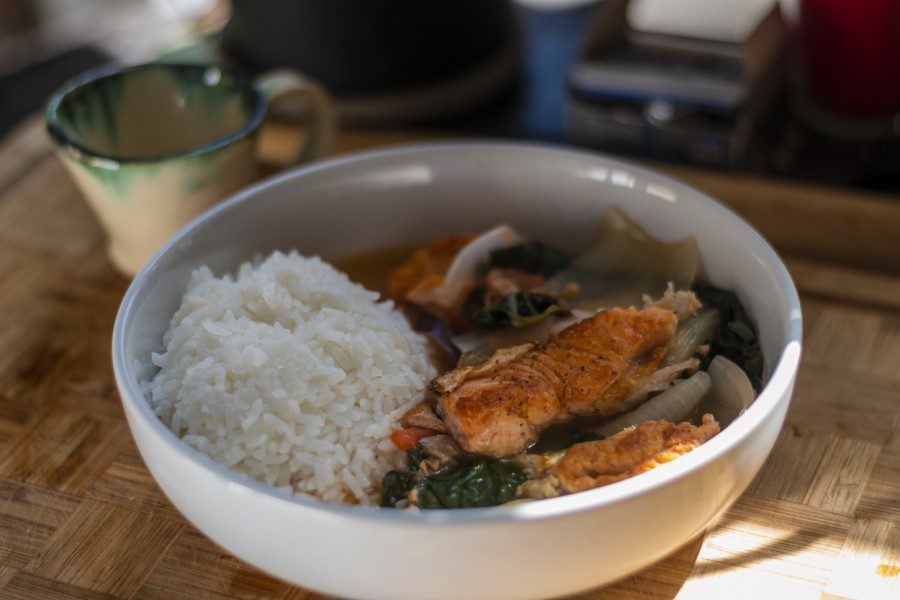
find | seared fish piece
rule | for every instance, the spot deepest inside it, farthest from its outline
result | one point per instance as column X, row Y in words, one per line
column 591, row 367
column 631, row 452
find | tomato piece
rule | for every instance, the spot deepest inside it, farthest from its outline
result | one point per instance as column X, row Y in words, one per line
column 409, row 437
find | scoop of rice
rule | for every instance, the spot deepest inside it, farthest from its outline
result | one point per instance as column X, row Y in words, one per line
column 292, row 374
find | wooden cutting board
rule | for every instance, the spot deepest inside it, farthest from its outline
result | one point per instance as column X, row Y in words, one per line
column 80, row 516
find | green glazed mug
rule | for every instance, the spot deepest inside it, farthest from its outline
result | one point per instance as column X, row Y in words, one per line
column 154, row 145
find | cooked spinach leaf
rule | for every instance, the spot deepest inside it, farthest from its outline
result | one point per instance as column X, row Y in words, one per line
column 415, row 456
column 516, row 309
column 396, row 486
column 484, row 482
column 480, row 482
column 736, row 337
column 530, row 257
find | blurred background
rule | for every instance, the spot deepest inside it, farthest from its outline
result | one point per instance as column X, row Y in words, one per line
column 802, row 89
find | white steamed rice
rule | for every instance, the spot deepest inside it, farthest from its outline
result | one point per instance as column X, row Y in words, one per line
column 292, row 374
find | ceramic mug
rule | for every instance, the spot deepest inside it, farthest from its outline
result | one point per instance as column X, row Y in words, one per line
column 154, row 145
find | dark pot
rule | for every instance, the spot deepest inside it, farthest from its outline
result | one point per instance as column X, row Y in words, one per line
column 369, row 46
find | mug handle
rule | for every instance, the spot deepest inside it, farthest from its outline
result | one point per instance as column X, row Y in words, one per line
column 282, row 84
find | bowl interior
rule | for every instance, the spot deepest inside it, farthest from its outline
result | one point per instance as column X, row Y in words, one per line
column 419, row 193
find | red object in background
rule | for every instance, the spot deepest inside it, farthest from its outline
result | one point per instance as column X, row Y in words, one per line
column 851, row 55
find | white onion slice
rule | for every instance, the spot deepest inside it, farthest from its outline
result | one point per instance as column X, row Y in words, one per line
column 464, row 268
column 691, row 334
column 673, row 405
column 731, row 391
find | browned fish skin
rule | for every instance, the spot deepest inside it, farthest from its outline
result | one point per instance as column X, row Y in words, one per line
column 629, row 453
column 589, row 368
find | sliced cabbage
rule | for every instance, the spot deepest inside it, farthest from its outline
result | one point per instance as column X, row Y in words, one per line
column 625, row 263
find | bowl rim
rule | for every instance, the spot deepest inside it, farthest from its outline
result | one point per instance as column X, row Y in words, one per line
column 226, row 77
column 776, row 390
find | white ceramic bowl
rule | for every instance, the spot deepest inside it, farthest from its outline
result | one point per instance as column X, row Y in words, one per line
column 416, row 193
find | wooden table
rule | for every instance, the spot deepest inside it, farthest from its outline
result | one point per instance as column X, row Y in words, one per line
column 80, row 516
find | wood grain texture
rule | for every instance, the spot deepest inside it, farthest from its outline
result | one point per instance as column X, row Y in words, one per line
column 80, row 516
column 869, row 546
column 106, row 548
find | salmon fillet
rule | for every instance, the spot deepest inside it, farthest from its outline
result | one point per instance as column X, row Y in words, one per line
column 629, row 453
column 590, row 367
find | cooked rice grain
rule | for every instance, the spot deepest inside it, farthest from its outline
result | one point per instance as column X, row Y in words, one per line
column 292, row 374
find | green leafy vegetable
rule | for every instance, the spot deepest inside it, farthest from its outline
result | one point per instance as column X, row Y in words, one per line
column 480, row 482
column 516, row 309
column 396, row 486
column 484, row 482
column 415, row 456
column 736, row 338
column 530, row 257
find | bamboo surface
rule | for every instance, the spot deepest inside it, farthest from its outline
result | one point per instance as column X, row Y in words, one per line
column 81, row 517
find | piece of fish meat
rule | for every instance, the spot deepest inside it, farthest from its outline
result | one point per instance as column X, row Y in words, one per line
column 591, row 367
column 631, row 452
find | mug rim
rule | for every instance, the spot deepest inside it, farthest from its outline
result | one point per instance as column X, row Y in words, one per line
column 80, row 151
